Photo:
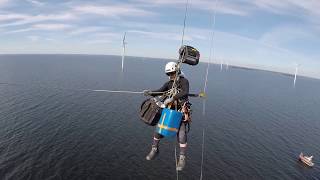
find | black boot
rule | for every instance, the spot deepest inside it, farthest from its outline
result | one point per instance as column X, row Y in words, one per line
column 153, row 153
column 181, row 163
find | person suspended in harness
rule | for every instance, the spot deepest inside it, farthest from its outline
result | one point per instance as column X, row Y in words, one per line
column 179, row 101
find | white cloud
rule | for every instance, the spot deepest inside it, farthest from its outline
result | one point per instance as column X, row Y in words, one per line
column 33, row 38
column 159, row 35
column 50, row 39
column 28, row 19
column 86, row 30
column 161, row 2
column 7, row 17
column 282, row 35
column 42, row 27
column 108, row 35
column 298, row 8
column 305, row 10
column 99, row 41
column 36, row 3
column 3, row 2
column 310, row 7
column 223, row 7
column 19, row 30
column 51, row 27
column 112, row 10
column 274, row 6
column 169, row 32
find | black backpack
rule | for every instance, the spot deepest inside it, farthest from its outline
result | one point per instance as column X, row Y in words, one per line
column 150, row 112
column 189, row 55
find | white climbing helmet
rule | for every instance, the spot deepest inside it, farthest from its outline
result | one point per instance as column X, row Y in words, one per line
column 170, row 67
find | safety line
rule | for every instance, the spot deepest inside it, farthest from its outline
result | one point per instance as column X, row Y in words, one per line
column 211, row 55
column 113, row 91
column 96, row 90
column 175, row 156
column 175, row 80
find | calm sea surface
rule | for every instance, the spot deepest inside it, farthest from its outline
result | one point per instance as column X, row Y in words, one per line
column 256, row 123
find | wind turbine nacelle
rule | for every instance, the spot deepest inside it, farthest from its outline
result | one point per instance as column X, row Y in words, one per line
column 189, row 55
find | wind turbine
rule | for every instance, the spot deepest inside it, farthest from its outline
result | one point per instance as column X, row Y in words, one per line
column 123, row 49
column 295, row 75
column 221, row 63
column 227, row 66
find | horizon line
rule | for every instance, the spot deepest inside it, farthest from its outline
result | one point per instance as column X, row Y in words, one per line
column 159, row 58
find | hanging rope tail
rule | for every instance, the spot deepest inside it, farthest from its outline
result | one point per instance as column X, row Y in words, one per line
column 212, row 53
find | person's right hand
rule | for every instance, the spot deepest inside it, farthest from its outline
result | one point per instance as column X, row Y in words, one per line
column 146, row 92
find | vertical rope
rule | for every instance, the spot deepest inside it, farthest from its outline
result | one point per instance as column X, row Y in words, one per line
column 182, row 41
column 202, row 152
column 184, row 22
column 212, row 53
column 179, row 64
column 175, row 155
column 212, row 50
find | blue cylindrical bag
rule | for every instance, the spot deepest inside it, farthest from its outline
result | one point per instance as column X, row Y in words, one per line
column 169, row 122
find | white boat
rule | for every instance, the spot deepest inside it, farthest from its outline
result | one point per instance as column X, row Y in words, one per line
column 306, row 159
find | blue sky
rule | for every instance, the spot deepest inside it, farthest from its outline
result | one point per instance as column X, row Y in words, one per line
column 266, row 34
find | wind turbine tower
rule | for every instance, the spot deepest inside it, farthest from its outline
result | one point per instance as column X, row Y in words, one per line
column 124, row 43
column 295, row 76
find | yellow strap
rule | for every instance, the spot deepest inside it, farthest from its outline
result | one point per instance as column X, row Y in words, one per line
column 167, row 128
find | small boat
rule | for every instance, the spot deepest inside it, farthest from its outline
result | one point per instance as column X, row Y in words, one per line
column 306, row 159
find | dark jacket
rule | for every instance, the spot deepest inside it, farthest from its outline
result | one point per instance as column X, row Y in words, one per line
column 183, row 87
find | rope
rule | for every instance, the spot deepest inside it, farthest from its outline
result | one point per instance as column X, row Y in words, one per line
column 202, row 152
column 212, row 53
column 92, row 90
column 172, row 93
column 212, row 50
column 175, row 156
column 184, row 22
column 113, row 91
column 99, row 90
